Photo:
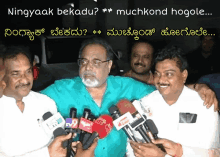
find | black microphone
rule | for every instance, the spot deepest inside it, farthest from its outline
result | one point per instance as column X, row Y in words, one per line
column 70, row 152
column 126, row 106
column 152, row 127
column 58, row 131
column 86, row 114
column 101, row 128
column 87, row 134
column 115, row 115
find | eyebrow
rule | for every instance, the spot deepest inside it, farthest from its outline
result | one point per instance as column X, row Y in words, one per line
column 16, row 71
column 167, row 70
column 171, row 70
column 92, row 59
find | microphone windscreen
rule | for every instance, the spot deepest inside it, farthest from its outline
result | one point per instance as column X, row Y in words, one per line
column 125, row 106
column 47, row 115
column 113, row 109
column 86, row 113
column 59, row 132
column 152, row 126
column 103, row 125
column 73, row 112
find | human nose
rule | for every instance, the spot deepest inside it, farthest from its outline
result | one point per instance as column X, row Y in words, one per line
column 140, row 60
column 89, row 65
column 162, row 79
column 24, row 79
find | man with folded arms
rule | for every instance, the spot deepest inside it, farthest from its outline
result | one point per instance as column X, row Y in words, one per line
column 186, row 127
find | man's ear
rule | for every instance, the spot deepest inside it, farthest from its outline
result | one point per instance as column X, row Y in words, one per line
column 110, row 65
column 3, row 84
column 184, row 75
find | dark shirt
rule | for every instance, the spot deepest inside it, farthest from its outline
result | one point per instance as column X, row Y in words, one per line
column 200, row 66
column 213, row 80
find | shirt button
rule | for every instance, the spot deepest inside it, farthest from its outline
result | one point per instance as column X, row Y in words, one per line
column 103, row 147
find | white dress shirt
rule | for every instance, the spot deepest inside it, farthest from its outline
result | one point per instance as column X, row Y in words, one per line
column 21, row 133
column 195, row 138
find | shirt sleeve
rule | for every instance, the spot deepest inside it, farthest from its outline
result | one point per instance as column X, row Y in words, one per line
column 139, row 89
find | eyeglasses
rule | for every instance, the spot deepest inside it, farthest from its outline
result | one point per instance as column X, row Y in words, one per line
column 95, row 62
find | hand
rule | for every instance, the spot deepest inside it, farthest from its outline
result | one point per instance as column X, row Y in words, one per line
column 146, row 150
column 171, row 147
column 80, row 152
column 207, row 95
column 56, row 147
column 214, row 152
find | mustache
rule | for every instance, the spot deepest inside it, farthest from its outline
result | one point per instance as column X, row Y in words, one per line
column 139, row 64
column 161, row 84
column 23, row 85
column 89, row 73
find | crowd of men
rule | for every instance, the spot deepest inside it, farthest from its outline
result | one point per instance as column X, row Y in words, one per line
column 162, row 92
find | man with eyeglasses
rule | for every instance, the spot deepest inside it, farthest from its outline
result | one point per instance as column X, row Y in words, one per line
column 98, row 91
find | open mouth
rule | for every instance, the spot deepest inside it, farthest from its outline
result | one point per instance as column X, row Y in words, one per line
column 163, row 87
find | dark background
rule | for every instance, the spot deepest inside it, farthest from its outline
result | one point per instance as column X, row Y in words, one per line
column 103, row 21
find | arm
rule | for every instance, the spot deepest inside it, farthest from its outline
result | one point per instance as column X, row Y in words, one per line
column 204, row 143
column 206, row 94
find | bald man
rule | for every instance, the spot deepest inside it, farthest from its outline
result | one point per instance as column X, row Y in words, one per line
column 141, row 62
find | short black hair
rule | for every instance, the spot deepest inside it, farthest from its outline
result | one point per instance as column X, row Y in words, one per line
column 2, row 50
column 173, row 53
column 100, row 41
column 13, row 51
column 142, row 40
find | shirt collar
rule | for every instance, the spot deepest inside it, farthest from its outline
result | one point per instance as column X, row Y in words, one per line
column 13, row 99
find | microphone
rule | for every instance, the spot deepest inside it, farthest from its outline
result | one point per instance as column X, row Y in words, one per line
column 72, row 123
column 152, row 131
column 72, row 127
column 101, row 128
column 87, row 134
column 85, row 124
column 125, row 106
column 116, row 116
column 54, row 123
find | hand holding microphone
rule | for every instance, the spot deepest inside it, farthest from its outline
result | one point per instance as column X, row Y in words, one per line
column 126, row 106
column 53, row 124
column 121, row 122
column 56, row 147
column 80, row 152
column 101, row 128
column 146, row 149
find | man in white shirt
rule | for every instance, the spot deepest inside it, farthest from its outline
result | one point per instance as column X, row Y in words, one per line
column 178, row 113
column 21, row 109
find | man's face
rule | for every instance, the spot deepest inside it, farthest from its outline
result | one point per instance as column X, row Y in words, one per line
column 92, row 75
column 168, row 78
column 2, row 74
column 207, row 43
column 141, row 58
column 18, row 77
